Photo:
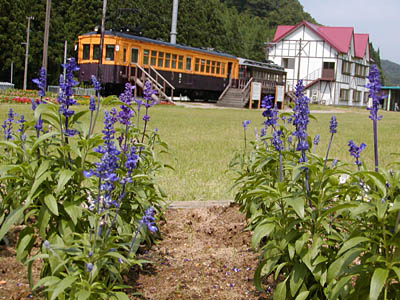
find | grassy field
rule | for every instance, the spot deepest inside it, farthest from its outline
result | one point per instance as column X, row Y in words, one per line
column 203, row 141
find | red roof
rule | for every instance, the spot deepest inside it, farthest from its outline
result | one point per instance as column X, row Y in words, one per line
column 338, row 37
column 360, row 44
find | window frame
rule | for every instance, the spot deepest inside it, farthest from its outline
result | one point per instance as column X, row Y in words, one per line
column 137, row 55
column 86, row 51
column 109, row 51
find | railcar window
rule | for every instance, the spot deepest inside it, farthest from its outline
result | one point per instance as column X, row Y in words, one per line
column 213, row 67
column 160, row 59
column 110, row 52
column 208, row 66
column 218, row 67
column 124, row 56
column 188, row 63
column 146, row 56
column 180, row 62
column 153, row 58
column 173, row 65
column 96, row 52
column 203, row 64
column 86, row 51
column 134, row 55
column 197, row 65
column 223, row 68
column 167, row 59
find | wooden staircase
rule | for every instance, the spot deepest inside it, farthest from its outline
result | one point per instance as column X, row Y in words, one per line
column 235, row 97
column 157, row 81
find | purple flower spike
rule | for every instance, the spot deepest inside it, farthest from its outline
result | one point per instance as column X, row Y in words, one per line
column 316, row 139
column 333, row 125
column 148, row 219
column 96, row 84
column 92, row 104
column 41, row 82
column 356, row 150
column 374, row 87
column 276, row 140
column 300, row 121
column 245, row 123
column 270, row 112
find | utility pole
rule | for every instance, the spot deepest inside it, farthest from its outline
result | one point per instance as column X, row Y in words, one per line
column 174, row 20
column 65, row 57
column 12, row 72
column 27, row 50
column 46, row 35
column 103, row 20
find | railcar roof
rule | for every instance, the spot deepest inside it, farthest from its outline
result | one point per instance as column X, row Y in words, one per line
column 259, row 64
column 157, row 42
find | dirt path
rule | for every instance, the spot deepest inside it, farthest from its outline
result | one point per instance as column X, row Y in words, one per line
column 204, row 253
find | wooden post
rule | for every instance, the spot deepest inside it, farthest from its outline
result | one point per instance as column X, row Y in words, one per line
column 250, row 98
column 46, row 35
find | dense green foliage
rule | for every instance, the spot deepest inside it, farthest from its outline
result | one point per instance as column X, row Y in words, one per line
column 237, row 27
column 391, row 71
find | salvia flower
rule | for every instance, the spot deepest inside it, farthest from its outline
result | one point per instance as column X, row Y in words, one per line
column 21, row 121
column 92, row 103
column 95, row 83
column 356, row 150
column 46, row 244
column 148, row 219
column 374, row 87
column 41, row 82
column 7, row 124
column 270, row 112
column 245, row 123
column 65, row 98
column 148, row 92
column 89, row 267
column 333, row 125
column 276, row 140
column 316, row 139
column 146, row 118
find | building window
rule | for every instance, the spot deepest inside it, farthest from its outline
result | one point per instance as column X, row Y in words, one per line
column 213, row 67
column 188, row 63
column 288, row 63
column 96, row 52
column 203, row 64
column 180, row 62
column 329, row 65
column 110, row 52
column 86, row 50
column 365, row 97
column 146, row 53
column 134, row 55
column 222, row 68
column 360, row 70
column 124, row 55
column 218, row 67
column 167, row 59
column 153, row 58
column 160, row 59
column 197, row 65
column 173, row 64
column 356, row 96
column 346, row 67
column 344, row 95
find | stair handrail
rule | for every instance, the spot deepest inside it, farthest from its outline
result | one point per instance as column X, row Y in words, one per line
column 310, row 76
column 226, row 89
column 158, row 86
column 162, row 77
column 246, row 91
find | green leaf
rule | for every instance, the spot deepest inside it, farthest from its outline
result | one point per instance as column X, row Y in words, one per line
column 121, row 296
column 83, row 295
column 297, row 278
column 42, row 138
column 261, row 231
column 51, row 203
column 338, row 287
column 278, row 269
column 65, row 176
column 377, row 282
column 62, row 285
column 351, row 244
column 280, row 291
column 298, row 205
column 46, row 281
column 303, row 295
column 336, row 268
column 44, row 218
column 22, row 244
column 13, row 217
column 73, row 211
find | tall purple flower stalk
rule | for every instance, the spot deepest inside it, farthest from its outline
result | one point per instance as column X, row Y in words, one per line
column 41, row 82
column 148, row 92
column 97, row 87
column 355, row 151
column 316, row 140
column 245, row 123
column 126, row 112
column 65, row 98
column 301, row 121
column 148, row 221
column 374, row 87
column 7, row 124
column 271, row 111
column 278, row 145
column 332, row 130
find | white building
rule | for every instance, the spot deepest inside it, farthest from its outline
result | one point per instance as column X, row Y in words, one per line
column 333, row 62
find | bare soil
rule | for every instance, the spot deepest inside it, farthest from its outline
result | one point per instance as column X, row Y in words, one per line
column 204, row 253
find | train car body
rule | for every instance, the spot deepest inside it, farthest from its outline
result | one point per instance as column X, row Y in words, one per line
column 191, row 71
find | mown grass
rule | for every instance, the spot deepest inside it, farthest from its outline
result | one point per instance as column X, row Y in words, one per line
column 202, row 143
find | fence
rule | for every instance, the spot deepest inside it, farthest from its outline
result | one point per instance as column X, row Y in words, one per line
column 6, row 85
column 76, row 90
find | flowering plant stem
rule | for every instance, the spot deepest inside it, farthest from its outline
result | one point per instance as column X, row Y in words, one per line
column 375, row 129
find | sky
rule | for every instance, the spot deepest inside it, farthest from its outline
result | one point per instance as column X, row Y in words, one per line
column 380, row 19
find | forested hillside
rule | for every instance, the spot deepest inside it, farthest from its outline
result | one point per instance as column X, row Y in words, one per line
column 239, row 27
column 392, row 72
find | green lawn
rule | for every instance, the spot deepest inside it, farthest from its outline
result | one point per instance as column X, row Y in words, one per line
column 202, row 142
